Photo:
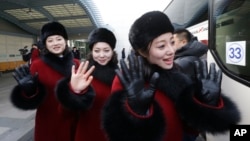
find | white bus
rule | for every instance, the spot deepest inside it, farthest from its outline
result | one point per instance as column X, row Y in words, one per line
column 225, row 25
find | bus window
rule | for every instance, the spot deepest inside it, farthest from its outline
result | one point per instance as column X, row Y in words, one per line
column 231, row 35
column 187, row 13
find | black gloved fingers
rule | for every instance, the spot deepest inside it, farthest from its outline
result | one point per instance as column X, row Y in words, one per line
column 132, row 66
column 125, row 71
column 219, row 77
column 27, row 69
column 16, row 77
column 197, row 70
column 121, row 78
column 214, row 75
column 16, row 74
column 212, row 72
column 153, row 81
column 140, row 67
column 20, row 72
column 204, row 69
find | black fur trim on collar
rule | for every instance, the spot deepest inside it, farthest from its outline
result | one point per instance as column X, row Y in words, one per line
column 172, row 83
column 62, row 65
column 105, row 73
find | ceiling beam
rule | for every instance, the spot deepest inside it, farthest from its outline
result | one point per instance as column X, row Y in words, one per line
column 55, row 19
column 17, row 23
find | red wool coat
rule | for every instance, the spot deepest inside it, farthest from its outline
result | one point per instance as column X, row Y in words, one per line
column 90, row 103
column 89, row 125
column 53, row 122
column 35, row 54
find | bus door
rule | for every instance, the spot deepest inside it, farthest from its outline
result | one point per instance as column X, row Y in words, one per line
column 229, row 44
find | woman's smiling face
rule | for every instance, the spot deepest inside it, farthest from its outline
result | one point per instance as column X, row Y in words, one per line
column 162, row 51
column 102, row 53
column 56, row 44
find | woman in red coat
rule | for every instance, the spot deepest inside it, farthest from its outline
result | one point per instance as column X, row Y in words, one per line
column 101, row 44
column 36, row 86
column 35, row 52
column 153, row 101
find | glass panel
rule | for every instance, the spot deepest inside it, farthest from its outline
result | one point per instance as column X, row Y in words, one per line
column 232, row 39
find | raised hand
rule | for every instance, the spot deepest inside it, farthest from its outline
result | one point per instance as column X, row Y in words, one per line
column 81, row 78
column 211, row 82
column 26, row 81
column 139, row 97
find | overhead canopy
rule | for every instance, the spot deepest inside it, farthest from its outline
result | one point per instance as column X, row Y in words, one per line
column 78, row 16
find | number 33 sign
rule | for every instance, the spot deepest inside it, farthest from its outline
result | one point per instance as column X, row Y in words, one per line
column 236, row 53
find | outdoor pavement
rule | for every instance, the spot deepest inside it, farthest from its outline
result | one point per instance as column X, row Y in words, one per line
column 15, row 124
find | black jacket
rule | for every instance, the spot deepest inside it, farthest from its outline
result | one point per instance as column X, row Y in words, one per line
column 186, row 56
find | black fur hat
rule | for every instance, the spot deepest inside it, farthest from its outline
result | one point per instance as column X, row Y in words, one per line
column 53, row 28
column 147, row 27
column 101, row 35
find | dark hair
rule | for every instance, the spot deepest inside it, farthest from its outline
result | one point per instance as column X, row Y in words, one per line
column 148, row 68
column 183, row 33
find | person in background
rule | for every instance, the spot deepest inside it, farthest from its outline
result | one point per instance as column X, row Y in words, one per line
column 153, row 101
column 101, row 44
column 25, row 53
column 188, row 50
column 37, row 83
column 29, row 56
column 35, row 53
column 76, row 53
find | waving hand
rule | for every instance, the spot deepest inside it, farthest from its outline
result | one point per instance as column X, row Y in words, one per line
column 26, row 81
column 139, row 97
column 81, row 78
column 211, row 82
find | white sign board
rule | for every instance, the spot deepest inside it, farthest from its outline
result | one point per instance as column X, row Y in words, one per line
column 236, row 53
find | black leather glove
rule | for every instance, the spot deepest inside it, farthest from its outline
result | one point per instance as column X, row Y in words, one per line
column 139, row 97
column 26, row 81
column 210, row 83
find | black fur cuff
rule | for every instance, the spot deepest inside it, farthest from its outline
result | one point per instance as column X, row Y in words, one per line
column 26, row 103
column 121, row 125
column 208, row 118
column 71, row 100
